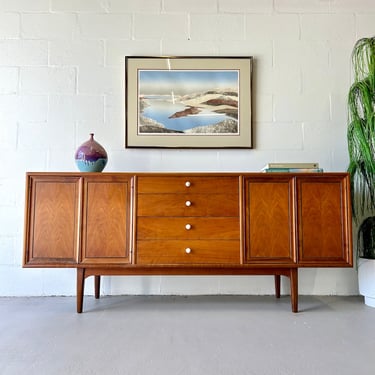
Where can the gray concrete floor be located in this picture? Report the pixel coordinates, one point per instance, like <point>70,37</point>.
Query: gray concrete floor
<point>200,335</point>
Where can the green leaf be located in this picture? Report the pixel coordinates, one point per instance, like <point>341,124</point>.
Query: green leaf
<point>361,127</point>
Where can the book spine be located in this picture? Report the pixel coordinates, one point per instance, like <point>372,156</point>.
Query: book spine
<point>293,170</point>
<point>292,165</point>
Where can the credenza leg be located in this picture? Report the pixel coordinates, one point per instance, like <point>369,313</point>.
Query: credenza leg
<point>294,289</point>
<point>97,286</point>
<point>277,285</point>
<point>80,288</point>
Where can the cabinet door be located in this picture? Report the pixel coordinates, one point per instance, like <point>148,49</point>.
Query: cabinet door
<point>324,221</point>
<point>106,219</point>
<point>269,220</point>
<point>52,216</point>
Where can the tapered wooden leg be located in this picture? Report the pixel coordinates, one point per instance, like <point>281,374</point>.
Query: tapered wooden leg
<point>97,286</point>
<point>277,285</point>
<point>80,288</point>
<point>294,289</point>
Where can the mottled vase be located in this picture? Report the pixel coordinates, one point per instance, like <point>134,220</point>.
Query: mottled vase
<point>91,156</point>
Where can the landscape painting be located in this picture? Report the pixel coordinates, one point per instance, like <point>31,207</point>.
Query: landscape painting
<point>184,102</point>
<point>188,102</point>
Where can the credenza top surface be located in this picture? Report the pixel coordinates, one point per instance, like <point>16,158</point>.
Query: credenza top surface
<point>211,173</point>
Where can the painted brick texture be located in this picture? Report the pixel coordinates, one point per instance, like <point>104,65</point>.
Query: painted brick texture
<point>62,77</point>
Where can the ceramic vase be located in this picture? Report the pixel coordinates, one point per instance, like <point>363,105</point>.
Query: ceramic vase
<point>91,156</point>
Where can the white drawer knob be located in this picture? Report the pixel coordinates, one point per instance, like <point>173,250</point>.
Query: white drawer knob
<point>188,203</point>
<point>188,250</point>
<point>187,226</point>
<point>187,183</point>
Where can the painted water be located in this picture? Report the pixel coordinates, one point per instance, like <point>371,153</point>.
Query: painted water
<point>160,108</point>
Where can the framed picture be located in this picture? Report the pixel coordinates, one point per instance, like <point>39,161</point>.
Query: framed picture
<point>188,102</point>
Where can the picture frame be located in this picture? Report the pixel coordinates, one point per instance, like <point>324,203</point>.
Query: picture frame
<point>188,102</point>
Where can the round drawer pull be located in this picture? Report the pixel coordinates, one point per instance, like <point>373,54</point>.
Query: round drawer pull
<point>187,203</point>
<point>187,183</point>
<point>188,250</point>
<point>187,226</point>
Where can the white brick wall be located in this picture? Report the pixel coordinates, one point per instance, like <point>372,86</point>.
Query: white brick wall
<point>305,6</point>
<point>62,77</point>
<point>332,27</point>
<point>48,26</point>
<point>23,108</point>
<point>192,6</point>
<point>250,6</point>
<point>365,25</point>
<point>51,80</point>
<point>217,27</point>
<point>22,52</point>
<point>84,6</point>
<point>24,5</point>
<point>160,26</point>
<point>104,26</point>
<point>9,80</point>
<point>275,27</point>
<point>9,25</point>
<point>349,6</point>
<point>83,53</point>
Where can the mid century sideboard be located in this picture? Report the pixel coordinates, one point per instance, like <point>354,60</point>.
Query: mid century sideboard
<point>187,224</point>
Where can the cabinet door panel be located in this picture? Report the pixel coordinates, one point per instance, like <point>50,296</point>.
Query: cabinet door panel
<point>52,220</point>
<point>324,221</point>
<point>106,233</point>
<point>269,220</point>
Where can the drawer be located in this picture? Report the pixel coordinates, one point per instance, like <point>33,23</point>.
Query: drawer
<point>188,184</point>
<point>188,205</point>
<point>188,252</point>
<point>220,228</point>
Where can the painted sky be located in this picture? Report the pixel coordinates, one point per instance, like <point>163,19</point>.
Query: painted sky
<point>182,82</point>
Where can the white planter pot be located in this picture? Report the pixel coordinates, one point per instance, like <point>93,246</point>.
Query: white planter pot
<point>366,280</point>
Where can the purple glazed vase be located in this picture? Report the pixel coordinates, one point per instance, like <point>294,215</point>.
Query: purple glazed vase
<point>91,156</point>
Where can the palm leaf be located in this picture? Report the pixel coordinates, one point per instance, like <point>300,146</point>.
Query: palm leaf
<point>361,127</point>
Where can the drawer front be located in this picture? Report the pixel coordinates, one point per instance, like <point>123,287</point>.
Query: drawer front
<point>220,228</point>
<point>188,205</point>
<point>188,184</point>
<point>188,252</point>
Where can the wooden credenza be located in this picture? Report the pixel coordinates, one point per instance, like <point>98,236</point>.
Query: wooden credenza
<point>188,224</point>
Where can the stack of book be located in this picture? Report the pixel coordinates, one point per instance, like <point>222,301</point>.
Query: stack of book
<point>292,167</point>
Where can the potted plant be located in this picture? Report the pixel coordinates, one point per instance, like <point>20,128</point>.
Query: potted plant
<point>361,147</point>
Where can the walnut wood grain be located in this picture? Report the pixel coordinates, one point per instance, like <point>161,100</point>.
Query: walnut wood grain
<point>162,228</point>
<point>52,220</point>
<point>202,184</point>
<point>188,205</point>
<point>135,224</point>
<point>323,222</point>
<point>106,221</point>
<point>199,252</point>
<point>269,220</point>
